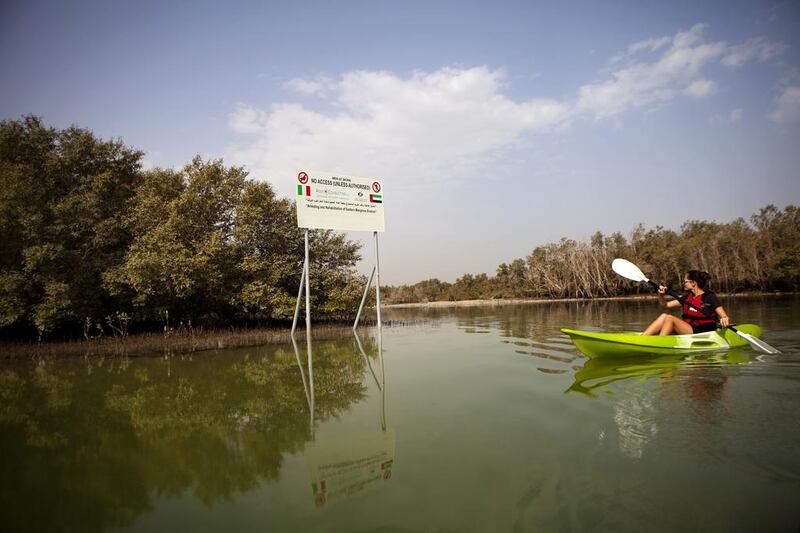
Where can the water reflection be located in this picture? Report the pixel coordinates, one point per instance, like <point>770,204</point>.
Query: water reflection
<point>348,464</point>
<point>532,329</point>
<point>95,442</point>
<point>380,382</point>
<point>635,417</point>
<point>308,385</point>
<point>598,373</point>
<point>643,385</point>
<point>110,443</point>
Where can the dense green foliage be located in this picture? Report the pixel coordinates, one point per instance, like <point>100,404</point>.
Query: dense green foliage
<point>763,254</point>
<point>90,242</point>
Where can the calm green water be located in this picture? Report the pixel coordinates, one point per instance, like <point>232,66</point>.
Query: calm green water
<point>482,419</point>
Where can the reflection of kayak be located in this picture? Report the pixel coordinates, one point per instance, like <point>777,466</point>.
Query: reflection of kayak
<point>598,373</point>
<point>595,344</point>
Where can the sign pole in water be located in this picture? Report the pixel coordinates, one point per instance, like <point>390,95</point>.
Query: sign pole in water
<point>377,284</point>
<point>338,202</point>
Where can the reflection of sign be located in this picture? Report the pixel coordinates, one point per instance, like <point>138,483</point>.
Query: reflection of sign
<point>346,466</point>
<point>335,201</point>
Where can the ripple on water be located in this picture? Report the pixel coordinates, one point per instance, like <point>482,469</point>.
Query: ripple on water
<point>551,349</point>
<point>545,355</point>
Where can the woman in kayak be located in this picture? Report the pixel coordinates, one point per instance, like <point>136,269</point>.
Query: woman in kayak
<point>700,309</point>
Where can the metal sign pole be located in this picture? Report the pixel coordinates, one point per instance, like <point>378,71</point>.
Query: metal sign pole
<point>364,298</point>
<point>304,281</point>
<point>380,330</point>
<point>308,332</point>
<point>310,386</point>
<point>378,281</point>
<point>376,273</point>
<point>308,290</point>
<point>299,296</point>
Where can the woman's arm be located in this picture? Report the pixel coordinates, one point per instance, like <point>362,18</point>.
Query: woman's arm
<point>663,301</point>
<point>724,320</point>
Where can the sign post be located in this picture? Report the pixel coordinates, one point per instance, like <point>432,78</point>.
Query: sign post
<point>338,202</point>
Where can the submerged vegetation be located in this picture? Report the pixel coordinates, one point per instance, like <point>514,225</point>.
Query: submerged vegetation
<point>762,254</point>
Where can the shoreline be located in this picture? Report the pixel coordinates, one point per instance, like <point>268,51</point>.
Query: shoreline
<point>496,302</point>
<point>151,344</point>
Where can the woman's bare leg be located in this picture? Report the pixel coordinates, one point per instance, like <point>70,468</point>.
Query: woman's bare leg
<point>675,326</point>
<point>655,327</point>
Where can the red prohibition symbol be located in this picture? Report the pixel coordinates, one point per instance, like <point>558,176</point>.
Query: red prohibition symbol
<point>302,178</point>
<point>376,186</point>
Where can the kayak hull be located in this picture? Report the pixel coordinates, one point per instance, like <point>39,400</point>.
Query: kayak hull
<point>597,344</point>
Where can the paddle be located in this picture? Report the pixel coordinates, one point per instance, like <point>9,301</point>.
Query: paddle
<point>626,269</point>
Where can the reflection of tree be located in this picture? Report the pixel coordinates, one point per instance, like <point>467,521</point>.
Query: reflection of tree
<point>86,447</point>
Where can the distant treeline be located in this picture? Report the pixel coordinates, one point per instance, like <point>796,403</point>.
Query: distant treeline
<point>762,254</point>
<point>91,244</point>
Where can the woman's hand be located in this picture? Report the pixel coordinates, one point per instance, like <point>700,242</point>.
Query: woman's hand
<point>662,289</point>
<point>724,319</point>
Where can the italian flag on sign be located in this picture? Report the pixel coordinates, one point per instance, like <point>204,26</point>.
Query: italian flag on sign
<point>301,189</point>
<point>376,198</point>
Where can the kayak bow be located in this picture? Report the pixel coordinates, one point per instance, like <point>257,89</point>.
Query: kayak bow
<point>596,344</point>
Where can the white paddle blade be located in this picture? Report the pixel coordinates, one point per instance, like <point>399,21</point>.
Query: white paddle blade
<point>758,343</point>
<point>626,269</point>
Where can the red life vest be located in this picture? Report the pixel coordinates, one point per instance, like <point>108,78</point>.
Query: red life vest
<point>696,317</point>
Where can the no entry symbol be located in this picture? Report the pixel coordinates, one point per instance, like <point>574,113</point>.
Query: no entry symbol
<point>302,178</point>
<point>376,186</point>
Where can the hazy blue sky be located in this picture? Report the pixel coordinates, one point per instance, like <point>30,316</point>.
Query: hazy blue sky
<point>495,126</point>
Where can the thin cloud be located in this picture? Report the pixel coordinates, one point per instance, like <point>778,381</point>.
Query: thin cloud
<point>757,48</point>
<point>787,108</point>
<point>642,84</point>
<point>317,87</point>
<point>652,44</point>
<point>701,88</point>
<point>246,119</point>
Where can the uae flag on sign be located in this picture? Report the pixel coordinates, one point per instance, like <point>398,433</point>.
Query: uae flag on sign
<point>303,189</point>
<point>376,198</point>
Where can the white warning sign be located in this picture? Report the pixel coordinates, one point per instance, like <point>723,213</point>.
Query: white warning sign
<point>339,202</point>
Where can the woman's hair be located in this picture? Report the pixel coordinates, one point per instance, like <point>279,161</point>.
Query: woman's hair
<point>699,277</point>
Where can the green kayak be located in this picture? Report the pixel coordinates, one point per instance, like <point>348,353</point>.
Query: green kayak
<point>596,344</point>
